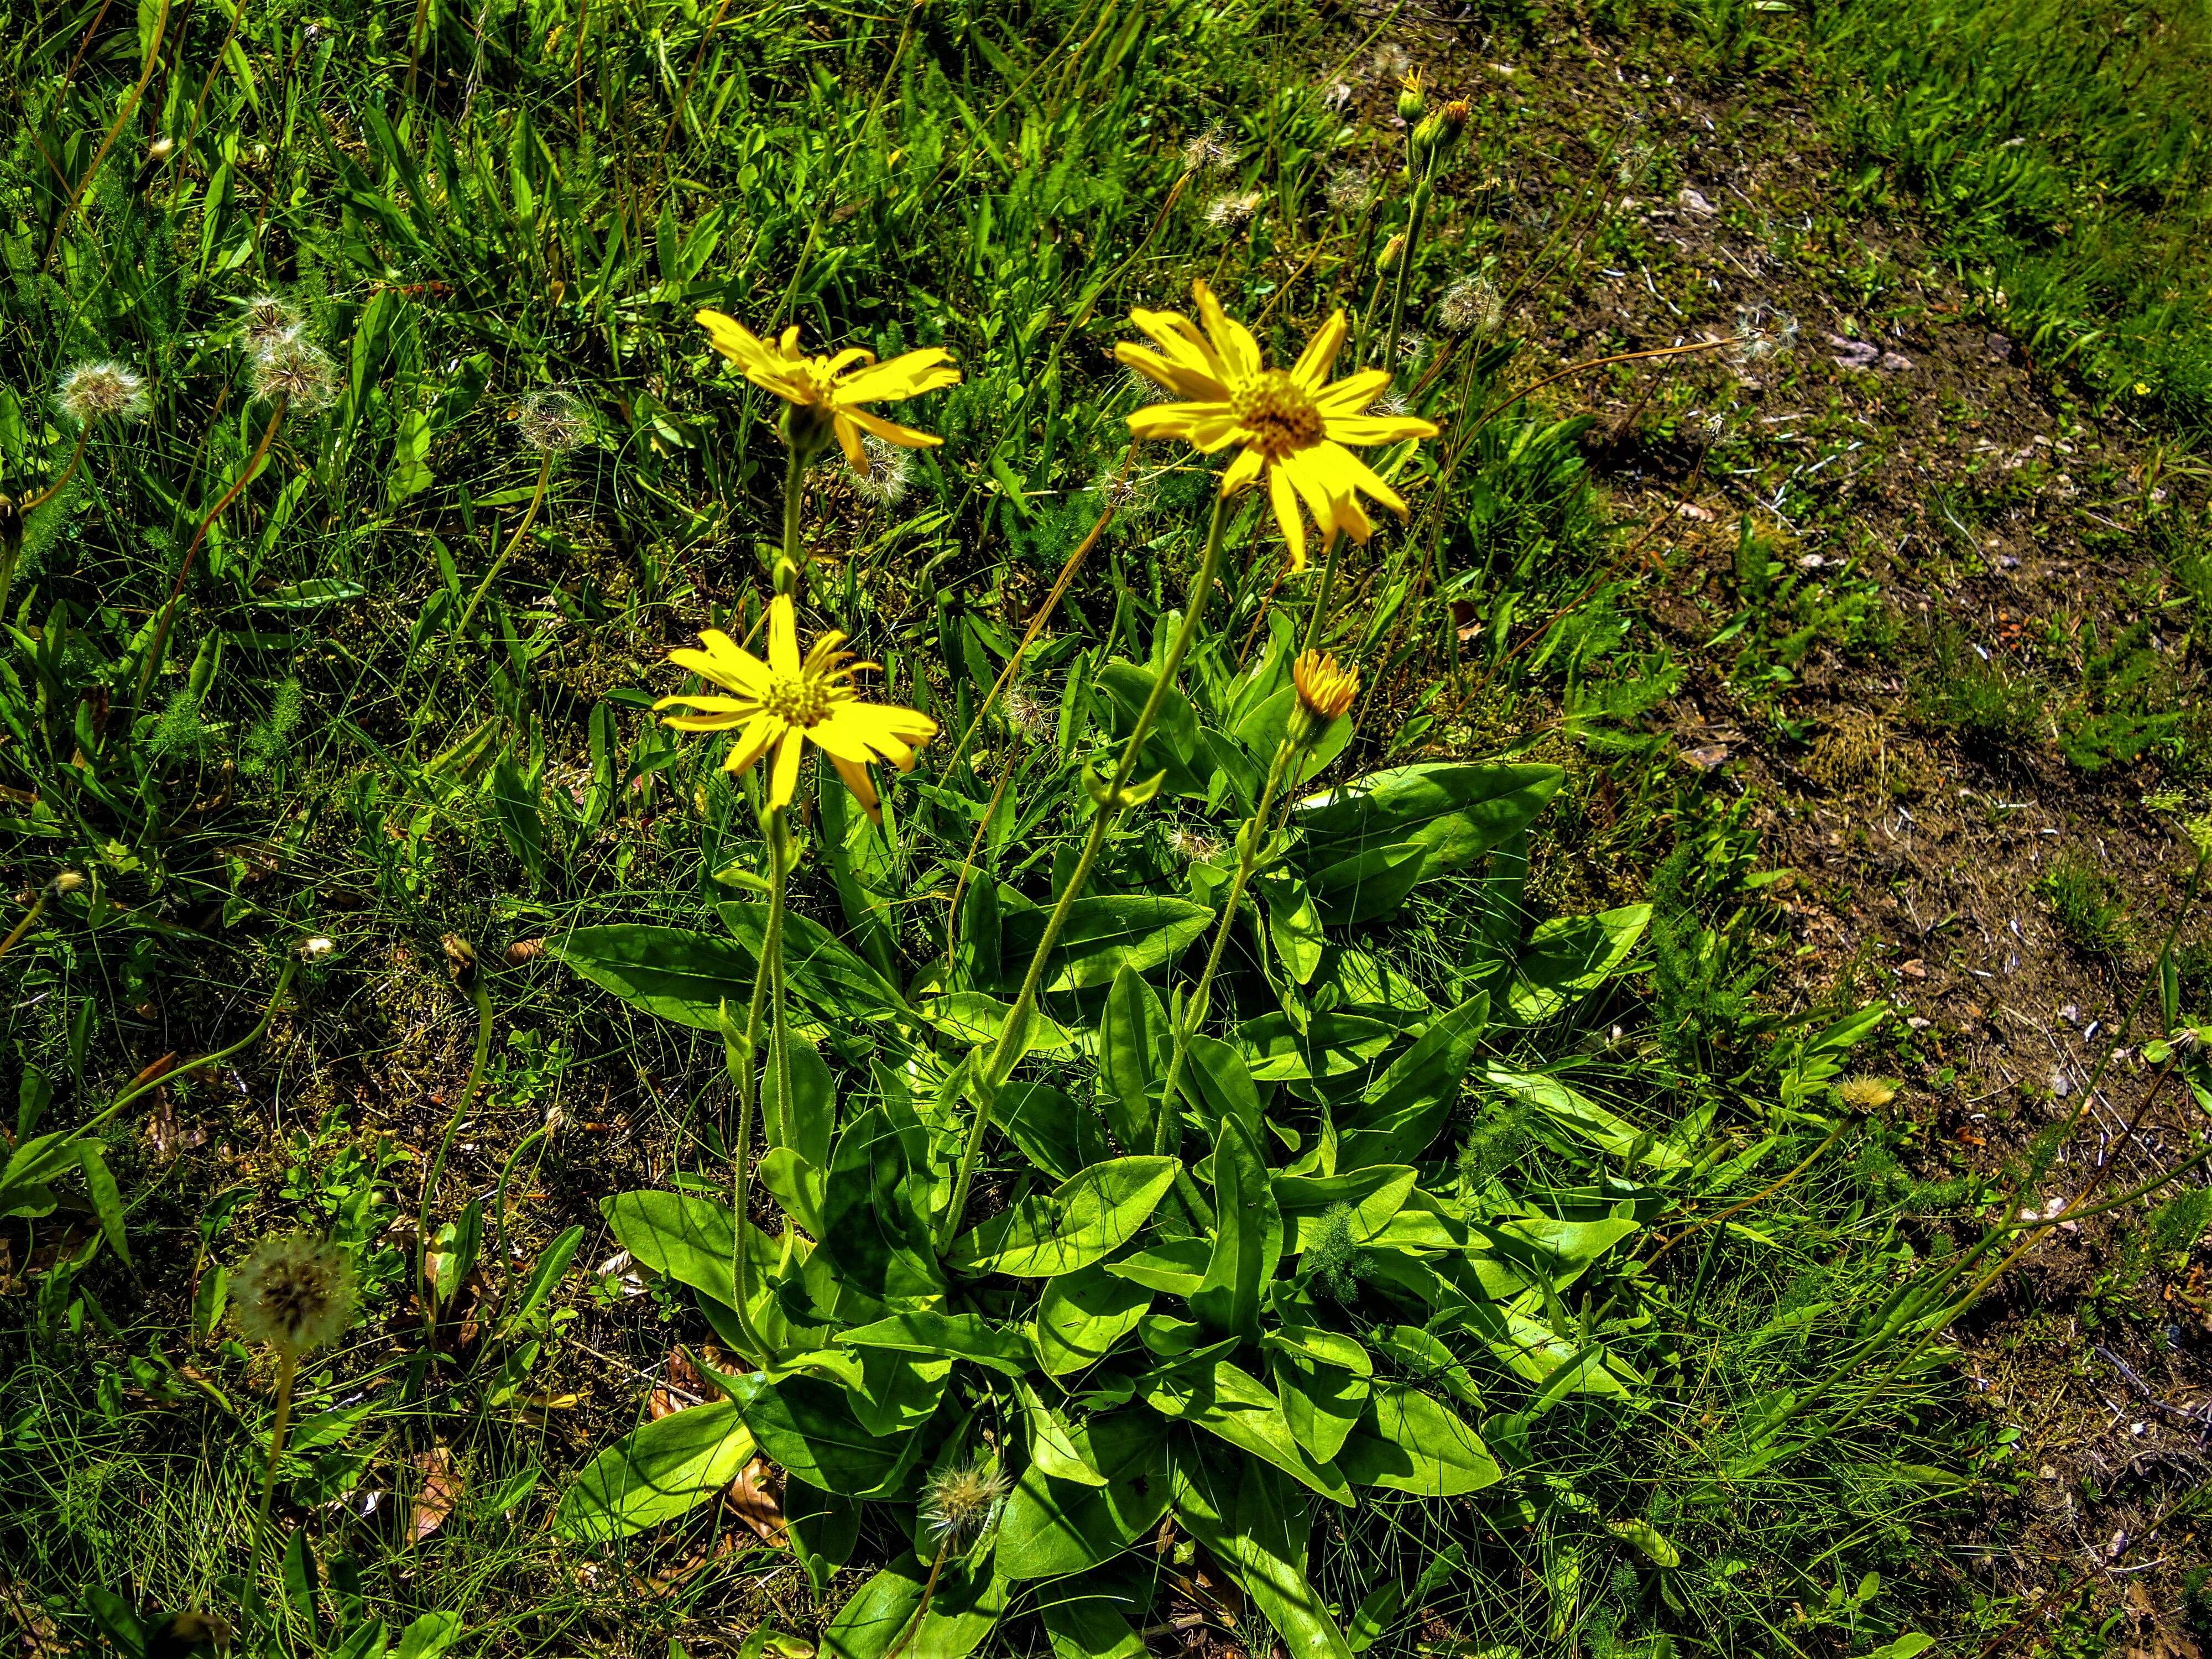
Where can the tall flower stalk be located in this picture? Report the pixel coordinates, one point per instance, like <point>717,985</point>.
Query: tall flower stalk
<point>89,394</point>
<point>1325,693</point>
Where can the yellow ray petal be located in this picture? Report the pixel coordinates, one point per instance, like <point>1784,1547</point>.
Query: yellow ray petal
<point>1342,472</point>
<point>1172,420</point>
<point>1185,380</point>
<point>783,783</point>
<point>1365,429</point>
<point>891,431</point>
<point>1239,472</point>
<point>1239,351</point>
<point>753,743</point>
<point>1351,394</point>
<point>1284,501</point>
<point>1312,369</point>
<point>863,791</point>
<point>849,438</point>
<point>783,638</point>
<point>906,376</point>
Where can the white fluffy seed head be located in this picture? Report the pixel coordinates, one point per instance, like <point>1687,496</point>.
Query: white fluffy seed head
<point>882,473</point>
<point>266,323</point>
<point>554,420</point>
<point>1227,212</point>
<point>1209,152</point>
<point>294,1293</point>
<point>103,390</point>
<point>299,372</point>
<point>1471,305</point>
<point>960,1504</point>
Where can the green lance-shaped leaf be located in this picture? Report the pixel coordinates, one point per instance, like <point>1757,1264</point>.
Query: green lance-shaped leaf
<point>1106,934</point>
<point>1407,1442</point>
<point>809,1427</point>
<point>659,1471</point>
<point>1082,1221</point>
<point>963,1610</point>
<point>1083,1315</point>
<point>1214,1394</point>
<point>1568,957</point>
<point>1248,1242</point>
<point>1255,1523</point>
<point>1403,1111</point>
<point>1054,1526</point>
<point>1131,1027</point>
<point>1456,812</point>
<point>875,1212</point>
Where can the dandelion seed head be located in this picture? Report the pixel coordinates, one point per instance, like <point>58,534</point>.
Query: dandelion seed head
<point>1349,190</point>
<point>1191,845</point>
<point>1762,331</point>
<point>1025,711</point>
<point>1123,494</point>
<point>1393,403</point>
<point>1411,344</point>
<point>1866,1094</point>
<point>266,323</point>
<point>554,420</point>
<point>1209,152</point>
<point>1391,64</point>
<point>103,390</point>
<point>300,373</point>
<point>961,1502</point>
<point>883,473</point>
<point>1227,212</point>
<point>1471,305</point>
<point>294,1293</point>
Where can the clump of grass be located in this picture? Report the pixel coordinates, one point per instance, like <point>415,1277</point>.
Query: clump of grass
<point>1974,699</point>
<point>2086,906</point>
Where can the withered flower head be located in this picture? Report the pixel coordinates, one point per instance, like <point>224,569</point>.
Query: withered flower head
<point>294,1293</point>
<point>99,391</point>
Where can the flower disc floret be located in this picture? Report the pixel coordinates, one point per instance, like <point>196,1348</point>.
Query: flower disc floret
<point>783,704</point>
<point>1289,425</point>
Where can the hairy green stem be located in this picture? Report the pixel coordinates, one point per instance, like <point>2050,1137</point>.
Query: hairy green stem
<point>1167,1128</point>
<point>795,497</point>
<point>766,1004</point>
<point>287,1369</point>
<point>1318,616</point>
<point>1013,1035</point>
<point>1407,255</point>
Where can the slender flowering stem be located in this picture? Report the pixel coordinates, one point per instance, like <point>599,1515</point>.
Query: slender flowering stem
<point>768,989</point>
<point>1407,255</point>
<point>922,1608</point>
<point>160,647</point>
<point>1167,1128</point>
<point>287,1369</point>
<point>1013,1035</point>
<point>479,993</point>
<point>529,517</point>
<point>794,486</point>
<point>12,556</point>
<point>1319,614</point>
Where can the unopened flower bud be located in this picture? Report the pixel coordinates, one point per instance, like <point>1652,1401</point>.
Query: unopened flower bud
<point>1326,689</point>
<point>1387,261</point>
<point>1411,104</point>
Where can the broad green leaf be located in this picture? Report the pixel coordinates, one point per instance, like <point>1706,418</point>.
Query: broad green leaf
<point>1457,812</point>
<point>1061,1137</point>
<point>106,1200</point>
<point>1568,957</point>
<point>1605,1130</point>
<point>821,967</point>
<point>1419,1352</point>
<point>1332,1045</point>
<point>676,972</point>
<point>428,1637</point>
<point>1083,1221</point>
<point>976,1018</point>
<point>808,1122</point>
<point>962,1611</point>
<point>1248,1240</point>
<point>1293,924</point>
<point>1216,1396</point>
<point>1176,1266</point>
<point>1224,1080</point>
<point>875,1210</point>
<point>822,1526</point>
<point>963,1336</point>
<point>798,1186</point>
<point>1368,885</point>
<point>1320,1402</point>
<point>1560,1250</point>
<point>1255,1525</point>
<point>1083,1315</point>
<point>1534,1352</point>
<point>1374,1194</point>
<point>1091,1627</point>
<point>1403,1109</point>
<point>690,1239</point>
<point>809,1427</point>
<point>1052,1526</point>
<point>1131,1029</point>
<point>659,1471</point>
<point>1106,934</point>
<point>899,1388</point>
<point>1407,1442</point>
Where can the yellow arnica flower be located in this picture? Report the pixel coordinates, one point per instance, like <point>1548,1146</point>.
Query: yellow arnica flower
<point>832,389</point>
<point>787,702</point>
<point>1326,689</point>
<point>1291,424</point>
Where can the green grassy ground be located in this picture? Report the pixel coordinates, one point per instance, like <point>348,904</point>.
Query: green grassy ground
<point>1806,583</point>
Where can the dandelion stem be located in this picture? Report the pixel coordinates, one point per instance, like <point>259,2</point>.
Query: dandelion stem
<point>160,647</point>
<point>529,517</point>
<point>921,1610</point>
<point>1013,1036</point>
<point>480,993</point>
<point>287,1369</point>
<point>1167,1128</point>
<point>76,454</point>
<point>30,920</point>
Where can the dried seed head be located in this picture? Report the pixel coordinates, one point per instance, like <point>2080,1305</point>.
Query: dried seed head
<point>1471,305</point>
<point>1349,190</point>
<point>1412,344</point>
<point>1209,152</point>
<point>99,391</point>
<point>300,373</point>
<point>68,881</point>
<point>554,422</point>
<point>882,475</point>
<point>1866,1094</point>
<point>267,323</point>
<point>315,949</point>
<point>1024,713</point>
<point>1191,845</point>
<point>1761,331</point>
<point>1227,212</point>
<point>525,950</point>
<point>961,1502</point>
<point>294,1293</point>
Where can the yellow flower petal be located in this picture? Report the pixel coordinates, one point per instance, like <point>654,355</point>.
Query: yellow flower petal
<point>783,782</point>
<point>863,791</point>
<point>1239,472</point>
<point>1351,394</point>
<point>897,378</point>
<point>1232,341</point>
<point>783,639</point>
<point>1312,369</point>
<point>1368,429</point>
<point>891,431</point>
<point>1285,502</point>
<point>765,730</point>
<point>1184,380</point>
